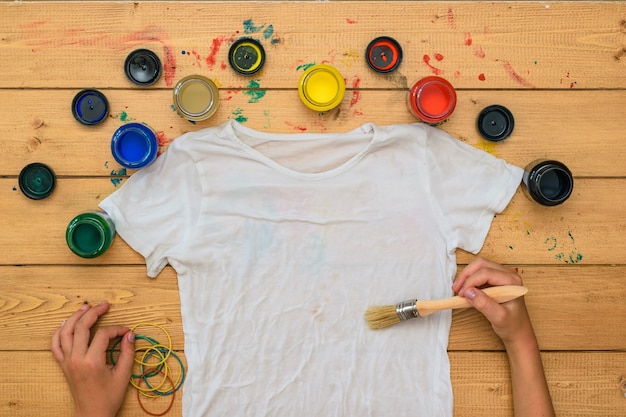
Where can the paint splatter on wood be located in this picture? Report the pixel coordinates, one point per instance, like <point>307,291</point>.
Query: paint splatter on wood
<point>515,76</point>
<point>433,69</point>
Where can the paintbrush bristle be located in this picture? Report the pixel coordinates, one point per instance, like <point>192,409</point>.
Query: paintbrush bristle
<point>381,317</point>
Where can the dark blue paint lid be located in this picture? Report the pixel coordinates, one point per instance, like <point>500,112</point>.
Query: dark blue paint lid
<point>90,107</point>
<point>134,145</point>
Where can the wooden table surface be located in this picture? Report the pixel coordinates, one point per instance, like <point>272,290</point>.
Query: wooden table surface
<point>560,67</point>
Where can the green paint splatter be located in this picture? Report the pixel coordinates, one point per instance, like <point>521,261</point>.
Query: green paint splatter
<point>268,32</point>
<point>238,115</point>
<point>305,67</point>
<point>249,27</point>
<point>120,172</point>
<point>116,181</point>
<point>268,121</point>
<point>255,93</point>
<point>123,116</point>
<point>535,62</point>
<point>553,240</point>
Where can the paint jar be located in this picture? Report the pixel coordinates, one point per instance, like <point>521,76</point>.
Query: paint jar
<point>134,145</point>
<point>142,67</point>
<point>321,88</point>
<point>37,181</point>
<point>196,98</point>
<point>246,56</point>
<point>548,182</point>
<point>383,54</point>
<point>90,234</point>
<point>431,99</point>
<point>90,107</point>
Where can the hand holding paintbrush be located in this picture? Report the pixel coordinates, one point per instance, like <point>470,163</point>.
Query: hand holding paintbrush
<point>386,316</point>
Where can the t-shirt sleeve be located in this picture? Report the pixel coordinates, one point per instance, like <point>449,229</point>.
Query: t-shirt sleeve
<point>156,209</point>
<point>468,186</point>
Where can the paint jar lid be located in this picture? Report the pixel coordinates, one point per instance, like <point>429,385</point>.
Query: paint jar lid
<point>142,67</point>
<point>321,87</point>
<point>432,99</point>
<point>196,97</point>
<point>134,145</point>
<point>383,54</point>
<point>90,107</point>
<point>37,181</point>
<point>495,123</point>
<point>246,56</point>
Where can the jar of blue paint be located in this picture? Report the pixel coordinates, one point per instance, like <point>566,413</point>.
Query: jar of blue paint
<point>90,234</point>
<point>134,145</point>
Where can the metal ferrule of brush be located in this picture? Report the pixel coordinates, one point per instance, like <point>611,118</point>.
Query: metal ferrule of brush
<point>406,310</point>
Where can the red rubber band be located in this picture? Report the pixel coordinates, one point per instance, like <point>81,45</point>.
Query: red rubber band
<point>169,407</point>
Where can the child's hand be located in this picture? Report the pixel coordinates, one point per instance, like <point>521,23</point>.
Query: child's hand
<point>98,388</point>
<point>509,320</point>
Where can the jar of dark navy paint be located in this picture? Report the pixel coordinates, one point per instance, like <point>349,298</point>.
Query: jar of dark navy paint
<point>548,182</point>
<point>90,234</point>
<point>134,145</point>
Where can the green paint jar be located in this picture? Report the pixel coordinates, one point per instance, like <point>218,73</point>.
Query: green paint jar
<point>90,234</point>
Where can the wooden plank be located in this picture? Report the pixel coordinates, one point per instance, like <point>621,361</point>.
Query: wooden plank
<point>33,384</point>
<point>582,230</point>
<point>575,127</point>
<point>38,298</point>
<point>558,45</point>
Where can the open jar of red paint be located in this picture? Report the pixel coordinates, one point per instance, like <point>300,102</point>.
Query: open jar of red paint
<point>431,99</point>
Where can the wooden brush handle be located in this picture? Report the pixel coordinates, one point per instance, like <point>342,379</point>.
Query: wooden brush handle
<point>501,294</point>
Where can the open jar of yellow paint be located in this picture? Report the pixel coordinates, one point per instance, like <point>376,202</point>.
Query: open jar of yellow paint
<point>321,88</point>
<point>196,98</point>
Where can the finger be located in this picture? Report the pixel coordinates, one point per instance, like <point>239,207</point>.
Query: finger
<point>82,328</point>
<point>55,347</point>
<point>124,365</point>
<point>493,311</point>
<point>474,266</point>
<point>66,334</point>
<point>489,276</point>
<point>103,337</point>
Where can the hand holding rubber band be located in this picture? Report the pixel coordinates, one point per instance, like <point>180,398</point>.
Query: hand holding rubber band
<point>150,369</point>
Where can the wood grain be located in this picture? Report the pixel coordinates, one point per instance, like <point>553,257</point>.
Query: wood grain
<point>559,66</point>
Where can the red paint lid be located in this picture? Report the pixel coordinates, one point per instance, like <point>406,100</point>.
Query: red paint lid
<point>383,54</point>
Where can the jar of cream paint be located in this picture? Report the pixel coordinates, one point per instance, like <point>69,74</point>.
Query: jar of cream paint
<point>196,98</point>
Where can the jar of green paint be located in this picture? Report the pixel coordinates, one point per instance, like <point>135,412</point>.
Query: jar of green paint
<point>90,234</point>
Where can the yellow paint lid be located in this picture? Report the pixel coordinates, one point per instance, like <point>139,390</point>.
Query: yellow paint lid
<point>321,87</point>
<point>196,97</point>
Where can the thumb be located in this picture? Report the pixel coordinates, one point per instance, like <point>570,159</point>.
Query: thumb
<point>125,361</point>
<point>493,311</point>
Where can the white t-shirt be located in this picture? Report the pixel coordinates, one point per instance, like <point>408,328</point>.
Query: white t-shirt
<point>281,242</point>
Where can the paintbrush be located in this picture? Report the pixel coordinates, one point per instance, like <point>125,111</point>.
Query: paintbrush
<point>385,316</point>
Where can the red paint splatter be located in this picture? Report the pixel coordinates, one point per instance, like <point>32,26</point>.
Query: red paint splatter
<point>481,77</point>
<point>515,76</point>
<point>356,93</point>
<point>439,57</point>
<point>163,141</point>
<point>451,21</point>
<point>351,21</point>
<point>468,39</point>
<point>296,127</point>
<point>457,73</point>
<point>215,48</point>
<point>479,52</point>
<point>434,70</point>
<point>223,66</point>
